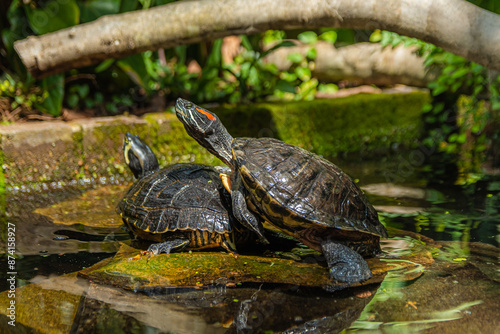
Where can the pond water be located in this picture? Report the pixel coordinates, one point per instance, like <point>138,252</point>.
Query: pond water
<point>61,230</point>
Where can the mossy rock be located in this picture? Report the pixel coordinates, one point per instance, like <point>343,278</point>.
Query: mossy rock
<point>365,123</point>
<point>95,208</point>
<point>39,310</point>
<point>131,271</point>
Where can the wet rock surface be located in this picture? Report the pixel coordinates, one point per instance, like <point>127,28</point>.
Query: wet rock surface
<point>449,297</point>
<point>129,270</point>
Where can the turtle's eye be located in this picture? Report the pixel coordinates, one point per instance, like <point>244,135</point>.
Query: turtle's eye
<point>188,106</point>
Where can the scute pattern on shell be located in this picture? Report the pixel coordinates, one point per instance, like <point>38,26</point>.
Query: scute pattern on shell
<point>304,184</point>
<point>177,198</point>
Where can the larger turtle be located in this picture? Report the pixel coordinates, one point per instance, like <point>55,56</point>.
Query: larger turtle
<point>297,191</point>
<point>180,206</point>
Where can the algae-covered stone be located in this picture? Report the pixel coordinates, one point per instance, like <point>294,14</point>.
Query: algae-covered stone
<point>40,310</point>
<point>59,151</point>
<point>43,152</point>
<point>168,139</point>
<point>95,208</point>
<point>102,139</point>
<point>131,271</point>
<point>367,123</point>
<point>68,304</point>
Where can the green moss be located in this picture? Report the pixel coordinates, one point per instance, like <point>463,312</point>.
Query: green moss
<point>40,309</point>
<point>128,270</point>
<point>368,123</point>
<point>103,153</point>
<point>359,123</point>
<point>371,124</point>
<point>3,205</point>
<point>352,124</point>
<point>171,143</point>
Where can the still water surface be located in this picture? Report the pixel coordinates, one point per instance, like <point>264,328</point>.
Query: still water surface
<point>62,230</point>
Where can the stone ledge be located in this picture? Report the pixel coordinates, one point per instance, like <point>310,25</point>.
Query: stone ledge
<point>91,148</point>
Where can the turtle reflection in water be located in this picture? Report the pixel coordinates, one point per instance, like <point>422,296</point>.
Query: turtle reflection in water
<point>298,192</point>
<point>180,206</point>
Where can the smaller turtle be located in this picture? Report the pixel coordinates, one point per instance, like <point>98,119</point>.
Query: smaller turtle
<point>180,206</point>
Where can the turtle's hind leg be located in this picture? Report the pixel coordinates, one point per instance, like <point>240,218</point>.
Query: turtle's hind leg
<point>167,246</point>
<point>345,264</point>
<point>228,244</point>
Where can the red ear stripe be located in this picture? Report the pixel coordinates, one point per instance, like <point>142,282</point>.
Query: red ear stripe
<point>210,116</point>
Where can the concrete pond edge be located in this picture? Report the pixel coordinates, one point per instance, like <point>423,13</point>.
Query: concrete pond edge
<point>47,152</point>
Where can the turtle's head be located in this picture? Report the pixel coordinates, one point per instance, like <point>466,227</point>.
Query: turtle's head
<point>138,156</point>
<point>206,128</point>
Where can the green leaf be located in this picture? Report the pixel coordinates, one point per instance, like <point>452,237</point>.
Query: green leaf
<point>285,86</point>
<point>495,105</point>
<point>284,44</point>
<point>215,57</point>
<point>460,73</point>
<point>311,53</point>
<point>163,2</point>
<point>448,69</point>
<point>53,103</point>
<point>290,77</point>
<point>295,57</point>
<point>128,5</point>
<point>72,100</point>
<point>456,86</point>
<point>376,36</point>
<point>386,38</point>
<point>245,42</point>
<point>83,90</point>
<point>328,88</point>
<point>397,40</point>
<point>308,37</point>
<point>93,9</point>
<point>55,15</point>
<point>427,107</point>
<point>329,36</point>
<point>462,138</point>
<point>303,73</point>
<point>136,70</point>
<point>104,65</point>
<point>272,36</point>
<point>439,90</point>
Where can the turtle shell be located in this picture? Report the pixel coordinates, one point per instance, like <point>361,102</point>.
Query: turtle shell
<point>181,197</point>
<point>305,195</point>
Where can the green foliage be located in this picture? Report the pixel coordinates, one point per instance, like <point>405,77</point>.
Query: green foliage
<point>93,9</point>
<point>29,17</point>
<point>246,78</point>
<point>21,95</point>
<point>169,73</point>
<point>54,15</point>
<point>456,129</point>
<point>53,103</point>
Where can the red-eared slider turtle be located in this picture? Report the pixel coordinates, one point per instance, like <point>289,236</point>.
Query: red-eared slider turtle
<point>182,205</point>
<point>297,191</point>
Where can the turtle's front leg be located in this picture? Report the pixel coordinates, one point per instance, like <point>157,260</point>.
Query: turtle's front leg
<point>241,211</point>
<point>345,264</point>
<point>167,246</point>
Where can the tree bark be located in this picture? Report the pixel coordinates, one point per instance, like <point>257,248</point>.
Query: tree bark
<point>455,25</point>
<point>364,63</point>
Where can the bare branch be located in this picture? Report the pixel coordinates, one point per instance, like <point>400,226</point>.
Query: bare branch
<point>455,25</point>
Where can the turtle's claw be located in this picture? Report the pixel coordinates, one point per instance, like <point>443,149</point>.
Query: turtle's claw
<point>141,254</point>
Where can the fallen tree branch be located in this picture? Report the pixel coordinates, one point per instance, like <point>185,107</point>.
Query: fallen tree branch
<point>364,63</point>
<point>455,25</point>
